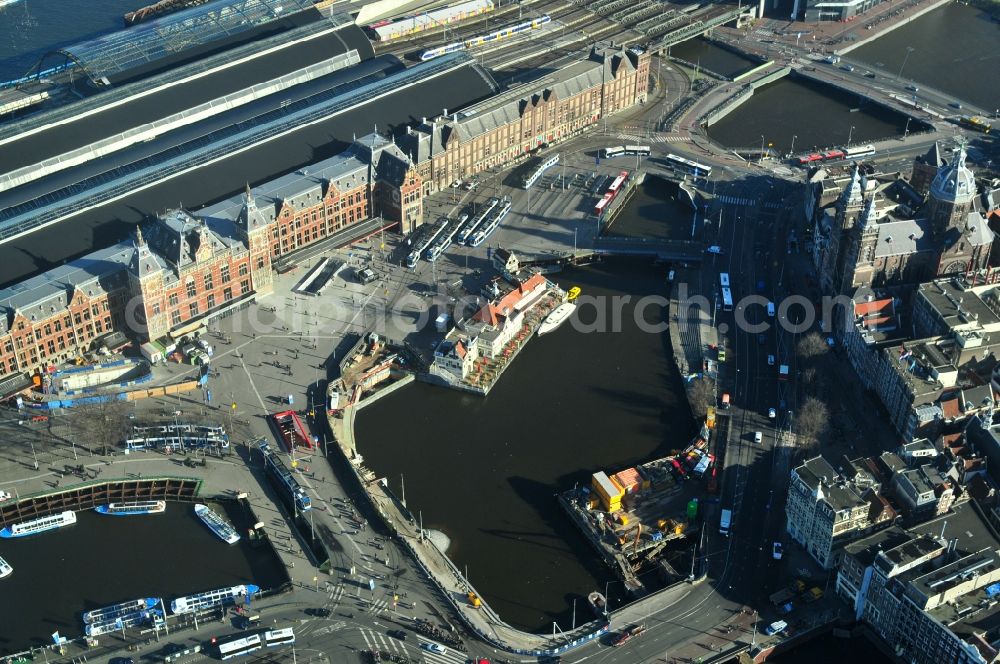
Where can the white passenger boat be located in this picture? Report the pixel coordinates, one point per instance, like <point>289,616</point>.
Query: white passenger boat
<point>40,525</point>
<point>134,507</point>
<point>217,524</point>
<point>559,315</point>
<point>116,624</point>
<point>5,569</point>
<point>211,598</point>
<point>118,610</point>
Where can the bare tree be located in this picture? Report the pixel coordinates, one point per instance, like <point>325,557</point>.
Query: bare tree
<point>808,378</point>
<point>104,424</point>
<point>811,422</point>
<point>701,395</point>
<point>811,345</point>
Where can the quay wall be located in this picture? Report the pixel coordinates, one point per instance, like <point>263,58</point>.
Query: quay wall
<point>741,96</point>
<point>889,28</point>
<point>91,494</point>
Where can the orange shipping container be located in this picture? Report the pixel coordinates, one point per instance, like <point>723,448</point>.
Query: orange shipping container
<point>629,479</point>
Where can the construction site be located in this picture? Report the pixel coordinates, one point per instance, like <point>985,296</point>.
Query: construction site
<point>638,519</point>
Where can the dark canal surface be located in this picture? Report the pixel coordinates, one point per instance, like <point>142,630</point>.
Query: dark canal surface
<point>654,212</point>
<point>484,470</point>
<point>954,50</point>
<point>30,28</point>
<point>819,116</point>
<point>103,560</point>
<point>717,59</point>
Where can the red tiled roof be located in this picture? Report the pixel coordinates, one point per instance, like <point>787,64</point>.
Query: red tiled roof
<point>460,350</point>
<point>875,306</point>
<point>491,312</point>
<point>950,408</point>
<point>949,438</point>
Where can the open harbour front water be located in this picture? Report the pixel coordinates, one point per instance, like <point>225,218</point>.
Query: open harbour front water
<point>30,28</point>
<point>103,560</point>
<point>818,115</point>
<point>485,470</point>
<point>954,50</point>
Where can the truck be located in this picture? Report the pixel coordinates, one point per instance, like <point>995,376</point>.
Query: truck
<point>783,372</point>
<point>725,521</point>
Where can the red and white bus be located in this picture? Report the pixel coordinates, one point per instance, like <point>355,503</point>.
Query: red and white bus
<point>618,182</point>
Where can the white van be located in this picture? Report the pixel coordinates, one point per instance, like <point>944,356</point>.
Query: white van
<point>770,309</point>
<point>776,627</point>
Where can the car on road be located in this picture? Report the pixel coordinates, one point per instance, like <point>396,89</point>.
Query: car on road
<point>397,634</point>
<point>869,74</point>
<point>319,612</point>
<point>628,633</point>
<point>366,275</point>
<point>456,184</point>
<point>776,551</point>
<point>758,437</point>
<point>955,104</point>
<point>714,249</point>
<point>722,355</point>
<point>434,647</point>
<point>121,660</point>
<point>770,360</point>
<point>847,67</point>
<point>771,413</point>
<point>912,88</point>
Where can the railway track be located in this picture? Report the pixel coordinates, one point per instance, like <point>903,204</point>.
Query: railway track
<point>472,27</point>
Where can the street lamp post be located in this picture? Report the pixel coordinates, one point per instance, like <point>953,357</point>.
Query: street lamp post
<point>792,151</point>
<point>761,150</point>
<point>909,49</point>
<point>850,135</point>
<point>906,130</point>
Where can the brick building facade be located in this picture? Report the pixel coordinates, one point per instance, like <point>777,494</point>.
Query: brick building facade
<point>511,124</point>
<point>183,268</point>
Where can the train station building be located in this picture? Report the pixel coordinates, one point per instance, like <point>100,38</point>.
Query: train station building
<point>512,124</point>
<point>188,266</point>
<point>184,269</point>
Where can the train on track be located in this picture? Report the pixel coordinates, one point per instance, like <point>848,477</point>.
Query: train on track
<point>482,40</point>
<point>389,29</point>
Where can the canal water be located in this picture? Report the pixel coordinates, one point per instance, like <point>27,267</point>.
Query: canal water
<point>30,28</point>
<point>103,560</point>
<point>817,115</point>
<point>485,470</point>
<point>654,211</point>
<point>954,50</point>
<point>714,58</point>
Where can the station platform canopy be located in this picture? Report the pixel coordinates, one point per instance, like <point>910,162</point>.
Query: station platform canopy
<point>180,37</point>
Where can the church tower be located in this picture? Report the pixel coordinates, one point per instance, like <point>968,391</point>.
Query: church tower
<point>952,194</point>
<point>851,199</point>
<point>860,263</point>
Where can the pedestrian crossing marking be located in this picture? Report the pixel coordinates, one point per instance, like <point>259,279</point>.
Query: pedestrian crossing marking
<point>384,643</point>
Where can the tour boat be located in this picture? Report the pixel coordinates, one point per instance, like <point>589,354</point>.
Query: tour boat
<point>119,610</point>
<point>5,569</point>
<point>40,525</point>
<point>217,524</point>
<point>558,316</point>
<point>211,598</point>
<point>134,507</point>
<point>133,619</point>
